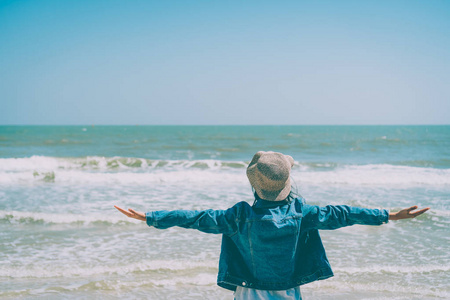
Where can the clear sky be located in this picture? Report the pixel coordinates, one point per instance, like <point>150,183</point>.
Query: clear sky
<point>224,62</point>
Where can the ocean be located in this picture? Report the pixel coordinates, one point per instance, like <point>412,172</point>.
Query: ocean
<point>61,237</point>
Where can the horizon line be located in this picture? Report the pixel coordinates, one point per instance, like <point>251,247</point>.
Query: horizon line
<point>137,125</point>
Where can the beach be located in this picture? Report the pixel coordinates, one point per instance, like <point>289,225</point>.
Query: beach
<point>60,236</point>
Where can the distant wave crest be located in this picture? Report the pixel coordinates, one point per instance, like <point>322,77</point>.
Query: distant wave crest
<point>89,270</point>
<point>109,163</point>
<point>36,218</point>
<point>136,171</point>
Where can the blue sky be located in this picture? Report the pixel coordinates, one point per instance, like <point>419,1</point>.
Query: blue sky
<point>224,62</point>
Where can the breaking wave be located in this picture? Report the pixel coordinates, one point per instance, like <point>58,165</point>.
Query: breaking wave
<point>36,218</point>
<point>128,170</point>
<point>89,270</point>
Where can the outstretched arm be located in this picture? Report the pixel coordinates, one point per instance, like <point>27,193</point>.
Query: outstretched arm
<point>209,221</point>
<point>407,213</point>
<point>337,216</point>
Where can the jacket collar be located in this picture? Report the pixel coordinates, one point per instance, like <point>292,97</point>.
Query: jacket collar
<point>260,203</point>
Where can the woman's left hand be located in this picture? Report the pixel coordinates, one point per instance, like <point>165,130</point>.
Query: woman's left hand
<point>407,213</point>
<point>131,213</point>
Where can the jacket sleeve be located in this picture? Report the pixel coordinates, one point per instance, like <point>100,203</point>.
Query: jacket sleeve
<point>336,216</point>
<point>209,221</point>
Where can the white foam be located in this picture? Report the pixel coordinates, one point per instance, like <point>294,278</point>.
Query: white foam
<point>381,174</point>
<point>44,271</point>
<point>379,290</point>
<point>59,218</point>
<point>100,163</point>
<point>120,170</point>
<point>32,163</point>
<point>383,269</point>
<point>48,271</point>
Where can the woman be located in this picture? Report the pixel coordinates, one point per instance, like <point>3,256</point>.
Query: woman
<point>271,248</point>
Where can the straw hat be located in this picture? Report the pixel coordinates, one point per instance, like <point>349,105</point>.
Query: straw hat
<point>268,173</point>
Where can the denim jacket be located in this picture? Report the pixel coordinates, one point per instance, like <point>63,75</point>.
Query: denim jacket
<point>271,245</point>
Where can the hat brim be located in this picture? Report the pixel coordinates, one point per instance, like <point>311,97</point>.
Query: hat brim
<point>279,195</point>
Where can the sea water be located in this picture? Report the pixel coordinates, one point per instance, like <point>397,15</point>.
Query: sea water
<point>60,236</point>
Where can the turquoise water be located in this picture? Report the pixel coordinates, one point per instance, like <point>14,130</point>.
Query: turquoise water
<point>422,146</point>
<point>60,237</point>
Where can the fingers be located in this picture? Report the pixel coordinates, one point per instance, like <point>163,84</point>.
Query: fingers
<point>128,214</point>
<point>138,215</point>
<point>413,214</point>
<point>409,213</point>
<point>137,212</point>
<point>131,213</point>
<point>419,212</point>
<point>411,208</point>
